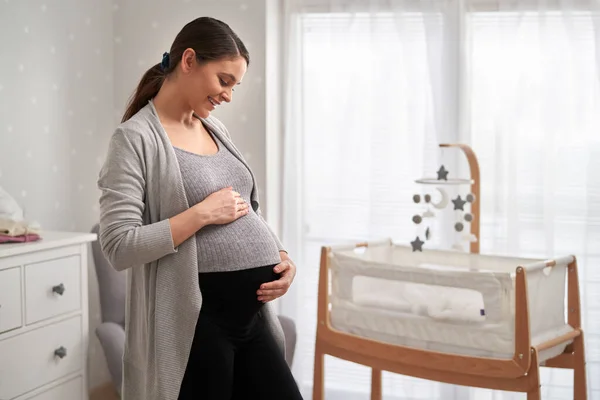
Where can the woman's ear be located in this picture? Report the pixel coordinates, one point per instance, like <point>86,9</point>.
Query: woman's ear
<point>188,60</point>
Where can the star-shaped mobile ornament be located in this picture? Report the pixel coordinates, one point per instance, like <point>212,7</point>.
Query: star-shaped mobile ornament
<point>442,174</point>
<point>417,244</point>
<point>459,203</point>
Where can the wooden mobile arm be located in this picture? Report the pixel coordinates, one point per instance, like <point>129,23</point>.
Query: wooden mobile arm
<point>475,189</point>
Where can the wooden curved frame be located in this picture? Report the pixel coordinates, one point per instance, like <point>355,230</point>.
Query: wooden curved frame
<point>475,189</point>
<point>520,374</point>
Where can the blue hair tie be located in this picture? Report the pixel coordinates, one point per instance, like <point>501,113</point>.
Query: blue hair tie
<point>164,64</point>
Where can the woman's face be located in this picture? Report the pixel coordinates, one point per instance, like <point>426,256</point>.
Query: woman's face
<point>209,84</point>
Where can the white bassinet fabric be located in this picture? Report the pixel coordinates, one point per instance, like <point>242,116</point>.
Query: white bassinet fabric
<point>437,302</point>
<point>444,301</point>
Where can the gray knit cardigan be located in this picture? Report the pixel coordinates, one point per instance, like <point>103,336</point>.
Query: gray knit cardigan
<point>141,187</point>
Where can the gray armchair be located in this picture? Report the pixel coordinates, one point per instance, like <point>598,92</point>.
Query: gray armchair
<point>111,332</point>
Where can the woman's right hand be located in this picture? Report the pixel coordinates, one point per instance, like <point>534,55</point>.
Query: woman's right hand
<point>223,206</point>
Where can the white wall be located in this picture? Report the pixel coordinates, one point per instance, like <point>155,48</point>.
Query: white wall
<point>66,73</point>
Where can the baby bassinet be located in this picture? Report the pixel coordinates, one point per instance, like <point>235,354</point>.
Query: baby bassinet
<point>468,319</point>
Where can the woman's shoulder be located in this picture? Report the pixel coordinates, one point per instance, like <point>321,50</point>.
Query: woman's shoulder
<point>139,128</point>
<point>139,122</point>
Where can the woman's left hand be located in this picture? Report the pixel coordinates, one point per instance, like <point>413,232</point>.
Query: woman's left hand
<point>271,290</point>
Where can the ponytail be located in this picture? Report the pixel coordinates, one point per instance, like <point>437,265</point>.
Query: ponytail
<point>147,88</point>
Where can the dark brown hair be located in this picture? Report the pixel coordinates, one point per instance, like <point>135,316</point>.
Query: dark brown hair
<point>210,38</point>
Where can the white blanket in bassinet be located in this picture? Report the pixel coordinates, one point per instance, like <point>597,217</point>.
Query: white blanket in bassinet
<point>442,303</point>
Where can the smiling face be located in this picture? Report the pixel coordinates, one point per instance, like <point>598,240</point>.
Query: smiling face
<point>208,84</point>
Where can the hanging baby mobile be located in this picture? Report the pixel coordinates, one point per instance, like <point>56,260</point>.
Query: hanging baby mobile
<point>464,205</point>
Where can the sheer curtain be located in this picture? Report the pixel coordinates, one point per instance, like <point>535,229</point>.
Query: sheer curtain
<point>372,88</point>
<point>533,114</point>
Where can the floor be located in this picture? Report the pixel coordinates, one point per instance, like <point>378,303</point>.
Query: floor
<point>104,392</point>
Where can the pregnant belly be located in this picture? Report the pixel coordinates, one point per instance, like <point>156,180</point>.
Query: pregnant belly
<point>230,298</point>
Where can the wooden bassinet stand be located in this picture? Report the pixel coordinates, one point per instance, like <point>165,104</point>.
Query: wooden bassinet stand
<point>519,374</point>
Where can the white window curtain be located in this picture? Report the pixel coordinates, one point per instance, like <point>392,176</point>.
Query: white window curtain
<point>372,88</point>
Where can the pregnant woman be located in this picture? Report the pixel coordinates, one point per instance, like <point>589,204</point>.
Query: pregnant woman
<point>179,210</point>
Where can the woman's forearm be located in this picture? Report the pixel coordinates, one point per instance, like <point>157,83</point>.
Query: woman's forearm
<point>187,223</point>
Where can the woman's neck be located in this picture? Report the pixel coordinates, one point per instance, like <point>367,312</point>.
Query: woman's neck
<point>171,107</point>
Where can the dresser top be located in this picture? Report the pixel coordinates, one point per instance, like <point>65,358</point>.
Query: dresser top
<point>49,240</point>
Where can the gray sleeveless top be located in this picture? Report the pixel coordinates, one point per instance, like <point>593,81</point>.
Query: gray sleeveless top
<point>244,243</point>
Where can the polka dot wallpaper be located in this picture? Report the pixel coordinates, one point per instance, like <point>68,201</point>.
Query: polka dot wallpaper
<point>67,70</point>
<point>55,106</point>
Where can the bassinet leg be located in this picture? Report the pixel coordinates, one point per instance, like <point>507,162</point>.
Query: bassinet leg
<point>318,384</point>
<point>579,374</point>
<point>535,393</point>
<point>375,384</point>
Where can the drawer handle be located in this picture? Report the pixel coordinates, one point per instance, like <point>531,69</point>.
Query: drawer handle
<point>59,289</point>
<point>61,352</point>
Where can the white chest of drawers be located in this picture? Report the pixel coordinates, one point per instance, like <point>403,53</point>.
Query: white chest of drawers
<point>44,318</point>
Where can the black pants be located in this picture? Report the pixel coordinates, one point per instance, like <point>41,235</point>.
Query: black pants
<point>233,355</point>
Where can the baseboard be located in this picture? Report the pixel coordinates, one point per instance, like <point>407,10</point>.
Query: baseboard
<point>104,392</point>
